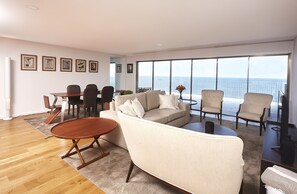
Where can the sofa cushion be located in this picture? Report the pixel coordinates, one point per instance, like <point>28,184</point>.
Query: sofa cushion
<point>137,107</point>
<point>168,101</point>
<point>152,97</point>
<point>164,115</point>
<point>127,108</point>
<point>121,99</point>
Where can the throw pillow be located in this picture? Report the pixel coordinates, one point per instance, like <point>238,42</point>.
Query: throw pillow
<point>127,108</point>
<point>167,101</point>
<point>137,107</point>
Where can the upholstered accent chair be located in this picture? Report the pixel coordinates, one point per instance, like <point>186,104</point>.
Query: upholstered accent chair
<point>255,108</point>
<point>212,103</point>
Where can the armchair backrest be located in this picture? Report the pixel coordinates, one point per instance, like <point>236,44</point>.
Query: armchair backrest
<point>212,98</point>
<point>256,102</point>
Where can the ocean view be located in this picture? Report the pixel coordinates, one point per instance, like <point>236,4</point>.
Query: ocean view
<point>232,87</point>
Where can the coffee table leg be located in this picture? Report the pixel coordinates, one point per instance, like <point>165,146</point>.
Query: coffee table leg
<point>78,151</point>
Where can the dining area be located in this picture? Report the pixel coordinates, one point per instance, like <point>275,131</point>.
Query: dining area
<point>88,101</point>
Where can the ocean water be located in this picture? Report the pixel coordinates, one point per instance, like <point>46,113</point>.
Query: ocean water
<point>232,87</point>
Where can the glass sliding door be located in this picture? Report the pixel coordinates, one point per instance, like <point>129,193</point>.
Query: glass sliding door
<point>204,77</point>
<point>181,75</point>
<point>268,74</point>
<point>145,75</point>
<point>232,79</point>
<point>162,76</point>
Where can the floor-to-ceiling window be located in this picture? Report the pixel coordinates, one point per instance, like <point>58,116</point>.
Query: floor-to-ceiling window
<point>234,75</point>
<point>162,76</point>
<point>181,75</point>
<point>232,79</point>
<point>204,77</point>
<point>145,74</point>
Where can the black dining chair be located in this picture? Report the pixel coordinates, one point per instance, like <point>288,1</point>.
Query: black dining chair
<point>90,102</point>
<point>106,95</point>
<point>74,100</point>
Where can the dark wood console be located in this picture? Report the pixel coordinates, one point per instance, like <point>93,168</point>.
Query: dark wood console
<point>272,157</point>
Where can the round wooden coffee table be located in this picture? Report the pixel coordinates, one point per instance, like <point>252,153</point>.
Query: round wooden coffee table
<point>84,128</point>
<point>218,129</point>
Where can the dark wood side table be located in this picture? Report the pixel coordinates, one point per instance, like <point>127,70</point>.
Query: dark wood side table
<point>84,128</point>
<point>272,157</point>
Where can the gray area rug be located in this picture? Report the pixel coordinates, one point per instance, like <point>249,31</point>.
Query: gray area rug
<point>109,173</point>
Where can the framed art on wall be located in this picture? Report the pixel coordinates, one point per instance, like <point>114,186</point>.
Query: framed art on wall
<point>28,62</point>
<point>93,66</point>
<point>48,63</point>
<point>80,65</point>
<point>130,68</point>
<point>119,68</point>
<point>66,65</point>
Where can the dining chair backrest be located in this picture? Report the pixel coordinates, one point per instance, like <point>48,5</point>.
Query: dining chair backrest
<point>92,85</point>
<point>107,94</point>
<point>46,102</point>
<point>73,89</point>
<point>90,97</point>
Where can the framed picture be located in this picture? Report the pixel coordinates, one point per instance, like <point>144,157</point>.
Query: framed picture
<point>66,65</point>
<point>28,62</point>
<point>93,66</point>
<point>130,68</point>
<point>48,63</point>
<point>80,65</point>
<point>118,68</point>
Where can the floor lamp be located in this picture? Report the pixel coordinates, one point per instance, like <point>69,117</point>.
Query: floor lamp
<point>7,88</point>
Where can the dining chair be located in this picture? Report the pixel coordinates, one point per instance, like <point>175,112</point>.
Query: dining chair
<point>106,96</point>
<point>212,103</point>
<point>75,100</point>
<point>47,104</point>
<point>255,108</point>
<point>90,102</point>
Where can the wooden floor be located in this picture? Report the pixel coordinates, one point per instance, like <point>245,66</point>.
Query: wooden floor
<point>29,163</point>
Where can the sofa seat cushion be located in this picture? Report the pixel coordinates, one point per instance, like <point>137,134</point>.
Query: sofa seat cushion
<point>164,115</point>
<point>250,116</point>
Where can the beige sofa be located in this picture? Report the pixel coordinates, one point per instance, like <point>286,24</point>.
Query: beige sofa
<point>150,102</point>
<point>192,161</point>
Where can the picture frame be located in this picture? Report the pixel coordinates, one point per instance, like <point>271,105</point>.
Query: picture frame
<point>48,63</point>
<point>66,65</point>
<point>80,65</point>
<point>118,68</point>
<point>130,68</point>
<point>28,62</point>
<point>93,66</point>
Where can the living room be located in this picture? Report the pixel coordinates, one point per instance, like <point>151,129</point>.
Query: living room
<point>39,32</point>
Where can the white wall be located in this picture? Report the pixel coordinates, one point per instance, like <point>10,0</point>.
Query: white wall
<point>283,47</point>
<point>28,87</point>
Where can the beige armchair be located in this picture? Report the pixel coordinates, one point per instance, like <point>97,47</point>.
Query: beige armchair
<point>211,102</point>
<point>255,108</point>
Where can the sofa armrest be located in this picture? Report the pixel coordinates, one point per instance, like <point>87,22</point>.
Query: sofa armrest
<point>184,106</point>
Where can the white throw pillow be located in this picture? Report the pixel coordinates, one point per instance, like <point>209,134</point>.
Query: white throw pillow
<point>137,107</point>
<point>127,108</point>
<point>167,101</point>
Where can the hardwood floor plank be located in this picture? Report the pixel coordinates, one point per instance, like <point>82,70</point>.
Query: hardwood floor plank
<point>29,163</point>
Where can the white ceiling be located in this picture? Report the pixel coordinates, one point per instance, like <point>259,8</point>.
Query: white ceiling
<point>125,27</point>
